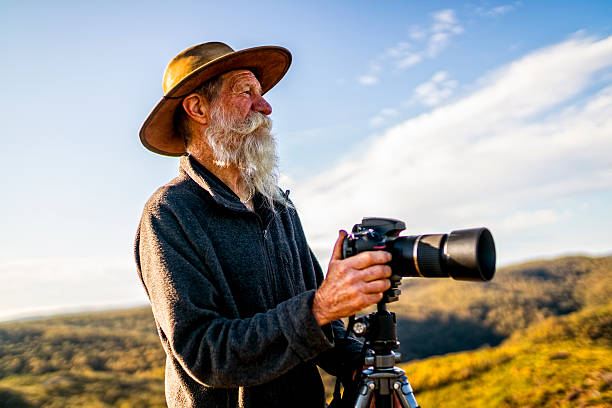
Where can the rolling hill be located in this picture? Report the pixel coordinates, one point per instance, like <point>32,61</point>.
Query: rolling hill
<point>111,359</point>
<point>543,329</point>
<point>561,362</point>
<point>439,316</point>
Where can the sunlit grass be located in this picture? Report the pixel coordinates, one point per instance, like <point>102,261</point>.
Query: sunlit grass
<point>561,362</point>
<point>114,359</point>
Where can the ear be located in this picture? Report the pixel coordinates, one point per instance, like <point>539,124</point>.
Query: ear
<point>197,108</point>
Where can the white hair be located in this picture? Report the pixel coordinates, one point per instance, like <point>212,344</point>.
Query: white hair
<point>250,146</point>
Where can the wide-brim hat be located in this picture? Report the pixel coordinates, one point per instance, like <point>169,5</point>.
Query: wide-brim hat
<point>190,69</point>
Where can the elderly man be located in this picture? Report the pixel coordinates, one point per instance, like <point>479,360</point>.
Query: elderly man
<point>241,307</point>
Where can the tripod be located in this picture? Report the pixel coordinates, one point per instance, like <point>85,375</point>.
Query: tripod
<point>383,379</point>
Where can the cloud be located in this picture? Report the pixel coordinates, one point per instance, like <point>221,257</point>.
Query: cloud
<point>368,80</point>
<point>425,42</point>
<point>436,90</point>
<point>530,219</point>
<point>409,60</point>
<point>36,286</point>
<point>445,25</point>
<point>526,137</point>
<point>383,116</point>
<point>417,33</point>
<point>429,41</point>
<point>497,11</point>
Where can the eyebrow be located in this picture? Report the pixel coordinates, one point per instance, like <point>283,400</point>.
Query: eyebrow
<point>250,83</point>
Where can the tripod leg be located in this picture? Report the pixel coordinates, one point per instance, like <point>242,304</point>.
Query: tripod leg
<point>365,394</point>
<point>403,391</point>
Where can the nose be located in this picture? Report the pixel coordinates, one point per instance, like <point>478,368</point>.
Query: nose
<point>261,105</point>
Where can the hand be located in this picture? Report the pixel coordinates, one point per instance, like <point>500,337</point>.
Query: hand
<point>352,284</point>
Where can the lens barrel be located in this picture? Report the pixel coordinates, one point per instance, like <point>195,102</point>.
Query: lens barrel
<point>467,254</point>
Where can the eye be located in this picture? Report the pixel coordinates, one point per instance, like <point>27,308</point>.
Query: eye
<point>247,92</point>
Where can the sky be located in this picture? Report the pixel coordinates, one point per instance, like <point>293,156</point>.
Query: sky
<point>443,114</point>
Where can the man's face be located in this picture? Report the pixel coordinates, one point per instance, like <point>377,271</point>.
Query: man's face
<point>240,95</point>
<point>239,134</point>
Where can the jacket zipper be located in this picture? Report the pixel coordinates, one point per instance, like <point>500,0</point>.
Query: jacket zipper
<point>269,269</point>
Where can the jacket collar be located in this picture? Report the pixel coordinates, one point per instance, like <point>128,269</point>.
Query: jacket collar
<point>219,192</point>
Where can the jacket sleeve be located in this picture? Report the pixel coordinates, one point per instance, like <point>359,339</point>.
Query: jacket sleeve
<point>214,350</point>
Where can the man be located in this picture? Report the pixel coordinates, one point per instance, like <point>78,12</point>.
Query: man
<point>239,300</point>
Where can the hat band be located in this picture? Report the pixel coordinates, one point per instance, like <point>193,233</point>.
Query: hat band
<point>177,97</point>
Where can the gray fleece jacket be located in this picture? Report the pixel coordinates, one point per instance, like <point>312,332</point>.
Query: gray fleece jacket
<point>231,291</point>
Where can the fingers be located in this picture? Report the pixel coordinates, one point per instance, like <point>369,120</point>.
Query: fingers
<point>375,272</point>
<point>368,258</point>
<point>369,300</point>
<point>337,253</point>
<point>376,286</point>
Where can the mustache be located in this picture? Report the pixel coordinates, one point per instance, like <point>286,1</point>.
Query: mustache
<point>253,122</point>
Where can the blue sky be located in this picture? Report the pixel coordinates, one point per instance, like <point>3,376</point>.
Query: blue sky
<point>443,114</point>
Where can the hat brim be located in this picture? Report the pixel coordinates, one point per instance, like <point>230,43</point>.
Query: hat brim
<point>268,63</point>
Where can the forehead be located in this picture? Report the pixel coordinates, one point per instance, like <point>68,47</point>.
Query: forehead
<point>240,77</point>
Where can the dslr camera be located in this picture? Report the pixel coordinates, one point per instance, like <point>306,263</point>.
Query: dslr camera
<point>467,254</point>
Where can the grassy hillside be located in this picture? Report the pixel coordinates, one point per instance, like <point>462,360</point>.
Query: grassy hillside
<point>438,316</point>
<point>111,359</point>
<point>114,359</point>
<point>561,362</point>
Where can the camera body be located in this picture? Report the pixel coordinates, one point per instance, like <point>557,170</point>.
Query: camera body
<point>467,254</point>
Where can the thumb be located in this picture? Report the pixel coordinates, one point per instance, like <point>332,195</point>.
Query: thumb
<point>337,254</point>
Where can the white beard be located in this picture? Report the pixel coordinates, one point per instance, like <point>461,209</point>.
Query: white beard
<point>250,146</point>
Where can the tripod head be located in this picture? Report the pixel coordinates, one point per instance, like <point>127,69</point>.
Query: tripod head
<point>378,329</point>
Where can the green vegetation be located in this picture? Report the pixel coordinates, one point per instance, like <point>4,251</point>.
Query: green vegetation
<point>112,359</point>
<point>561,362</point>
<point>439,316</point>
<point>551,323</point>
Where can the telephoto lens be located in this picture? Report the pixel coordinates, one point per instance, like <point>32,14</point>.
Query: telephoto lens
<point>467,254</point>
